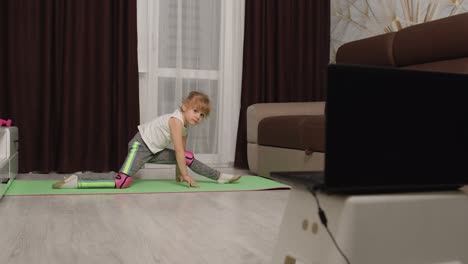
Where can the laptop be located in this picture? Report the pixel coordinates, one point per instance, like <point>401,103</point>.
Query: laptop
<point>394,130</point>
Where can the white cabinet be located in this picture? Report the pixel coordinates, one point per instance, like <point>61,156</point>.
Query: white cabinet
<point>8,157</point>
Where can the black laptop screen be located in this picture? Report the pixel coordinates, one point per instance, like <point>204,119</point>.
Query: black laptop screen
<point>390,127</point>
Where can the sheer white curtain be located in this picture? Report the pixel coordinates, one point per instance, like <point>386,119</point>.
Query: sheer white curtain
<point>187,45</point>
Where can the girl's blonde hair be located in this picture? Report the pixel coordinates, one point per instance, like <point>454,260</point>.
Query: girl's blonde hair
<point>198,100</point>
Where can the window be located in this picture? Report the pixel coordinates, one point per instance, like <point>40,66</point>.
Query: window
<point>189,45</point>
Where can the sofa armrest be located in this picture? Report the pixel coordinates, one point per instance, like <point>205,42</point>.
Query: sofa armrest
<point>257,112</point>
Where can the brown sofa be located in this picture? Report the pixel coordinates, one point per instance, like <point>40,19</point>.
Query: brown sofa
<point>291,136</point>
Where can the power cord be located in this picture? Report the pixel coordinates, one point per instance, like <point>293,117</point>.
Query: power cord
<point>324,221</point>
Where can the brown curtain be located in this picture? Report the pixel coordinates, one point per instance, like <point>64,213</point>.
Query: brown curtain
<point>69,81</point>
<point>286,53</point>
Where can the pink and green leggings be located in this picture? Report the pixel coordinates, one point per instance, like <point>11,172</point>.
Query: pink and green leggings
<point>138,155</point>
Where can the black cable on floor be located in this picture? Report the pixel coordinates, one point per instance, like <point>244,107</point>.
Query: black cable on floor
<point>324,221</point>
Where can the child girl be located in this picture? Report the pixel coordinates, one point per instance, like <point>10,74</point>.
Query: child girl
<point>150,145</point>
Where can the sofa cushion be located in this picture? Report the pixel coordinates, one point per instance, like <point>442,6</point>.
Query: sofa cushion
<point>441,39</point>
<point>453,66</point>
<point>376,50</point>
<point>257,112</point>
<point>302,132</point>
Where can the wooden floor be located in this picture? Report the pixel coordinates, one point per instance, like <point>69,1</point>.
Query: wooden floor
<point>221,227</point>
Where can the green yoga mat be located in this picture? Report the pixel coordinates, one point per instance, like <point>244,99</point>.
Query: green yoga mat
<point>246,183</point>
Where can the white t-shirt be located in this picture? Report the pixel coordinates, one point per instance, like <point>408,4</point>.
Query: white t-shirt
<point>157,134</point>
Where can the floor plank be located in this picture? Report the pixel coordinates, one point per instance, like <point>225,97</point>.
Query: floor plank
<point>230,227</point>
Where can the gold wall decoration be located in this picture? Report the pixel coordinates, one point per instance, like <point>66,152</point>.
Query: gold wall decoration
<point>357,19</point>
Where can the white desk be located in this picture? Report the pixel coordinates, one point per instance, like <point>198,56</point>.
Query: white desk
<point>419,228</point>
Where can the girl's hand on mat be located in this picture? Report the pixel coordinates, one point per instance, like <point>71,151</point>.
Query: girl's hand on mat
<point>179,178</point>
<point>190,181</point>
